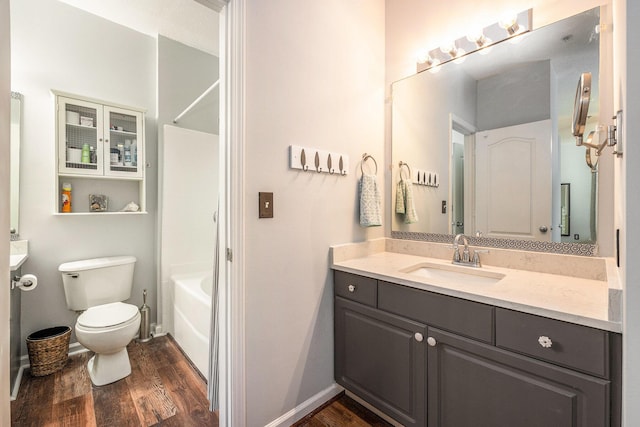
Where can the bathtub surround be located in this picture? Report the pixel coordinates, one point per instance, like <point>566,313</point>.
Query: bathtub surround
<point>192,316</point>
<point>189,193</point>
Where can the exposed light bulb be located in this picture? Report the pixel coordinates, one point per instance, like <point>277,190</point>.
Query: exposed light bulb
<point>450,49</point>
<point>510,24</point>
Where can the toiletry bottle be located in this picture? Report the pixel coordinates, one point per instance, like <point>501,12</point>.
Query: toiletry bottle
<point>86,154</point>
<point>134,153</point>
<point>114,156</point>
<point>127,152</point>
<point>93,156</point>
<point>66,197</point>
<point>120,154</point>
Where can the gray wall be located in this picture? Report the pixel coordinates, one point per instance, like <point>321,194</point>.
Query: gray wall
<point>184,73</point>
<point>55,46</point>
<point>504,101</point>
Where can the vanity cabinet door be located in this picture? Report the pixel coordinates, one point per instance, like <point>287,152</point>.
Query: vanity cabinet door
<point>474,384</point>
<point>381,358</point>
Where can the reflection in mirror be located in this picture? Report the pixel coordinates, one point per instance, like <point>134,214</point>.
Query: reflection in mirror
<point>565,209</point>
<point>497,130</point>
<point>14,179</point>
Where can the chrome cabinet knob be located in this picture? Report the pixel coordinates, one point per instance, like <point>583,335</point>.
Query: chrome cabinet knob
<point>432,341</point>
<point>418,336</point>
<point>543,229</point>
<point>351,288</point>
<point>545,342</point>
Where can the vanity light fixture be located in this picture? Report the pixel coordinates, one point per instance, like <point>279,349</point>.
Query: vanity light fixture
<point>481,40</point>
<point>510,24</point>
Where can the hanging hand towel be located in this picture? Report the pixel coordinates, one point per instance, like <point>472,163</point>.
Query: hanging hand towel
<point>400,207</point>
<point>369,202</point>
<point>410,215</point>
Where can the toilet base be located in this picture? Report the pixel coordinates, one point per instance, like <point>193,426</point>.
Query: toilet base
<point>108,368</point>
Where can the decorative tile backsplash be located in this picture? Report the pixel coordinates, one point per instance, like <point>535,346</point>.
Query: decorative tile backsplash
<point>581,249</point>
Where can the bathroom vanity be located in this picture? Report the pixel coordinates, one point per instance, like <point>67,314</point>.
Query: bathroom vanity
<point>516,347</point>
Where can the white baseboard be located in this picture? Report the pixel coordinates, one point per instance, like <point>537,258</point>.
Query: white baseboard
<point>306,407</point>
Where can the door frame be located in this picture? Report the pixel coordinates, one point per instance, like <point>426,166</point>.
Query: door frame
<point>232,388</point>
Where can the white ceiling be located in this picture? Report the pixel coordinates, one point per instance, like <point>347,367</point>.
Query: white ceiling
<point>186,21</point>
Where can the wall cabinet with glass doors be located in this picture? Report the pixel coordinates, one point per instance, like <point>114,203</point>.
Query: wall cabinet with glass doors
<point>101,148</point>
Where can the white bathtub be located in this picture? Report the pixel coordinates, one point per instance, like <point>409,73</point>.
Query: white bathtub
<point>192,316</point>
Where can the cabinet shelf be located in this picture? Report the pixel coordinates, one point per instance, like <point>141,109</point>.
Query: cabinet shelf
<point>122,132</point>
<point>75,125</point>
<point>98,213</point>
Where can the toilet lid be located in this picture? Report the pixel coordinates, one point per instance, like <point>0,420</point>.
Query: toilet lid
<point>105,315</point>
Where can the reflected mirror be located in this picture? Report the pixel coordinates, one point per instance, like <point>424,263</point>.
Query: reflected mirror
<point>497,131</point>
<point>14,164</point>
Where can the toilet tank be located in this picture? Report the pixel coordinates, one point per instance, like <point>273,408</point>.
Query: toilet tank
<point>97,281</point>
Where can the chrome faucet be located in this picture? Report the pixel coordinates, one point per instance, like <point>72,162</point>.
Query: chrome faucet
<point>466,258</point>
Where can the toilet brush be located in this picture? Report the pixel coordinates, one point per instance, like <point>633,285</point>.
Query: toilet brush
<point>145,327</point>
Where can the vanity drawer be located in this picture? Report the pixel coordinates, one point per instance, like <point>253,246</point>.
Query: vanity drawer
<point>468,318</point>
<point>574,346</point>
<point>356,288</point>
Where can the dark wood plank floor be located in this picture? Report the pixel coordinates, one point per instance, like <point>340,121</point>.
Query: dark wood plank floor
<point>342,411</point>
<point>163,390</point>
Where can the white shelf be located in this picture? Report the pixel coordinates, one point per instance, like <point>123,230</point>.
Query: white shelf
<point>123,132</point>
<point>75,125</point>
<point>107,177</point>
<point>97,213</point>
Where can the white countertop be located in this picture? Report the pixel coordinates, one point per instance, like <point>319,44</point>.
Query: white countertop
<point>19,253</point>
<point>573,299</point>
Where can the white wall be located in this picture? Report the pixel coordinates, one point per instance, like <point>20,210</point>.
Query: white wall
<point>55,46</point>
<point>5,113</point>
<point>314,77</point>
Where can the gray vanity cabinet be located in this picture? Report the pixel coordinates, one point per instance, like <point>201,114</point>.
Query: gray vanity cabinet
<point>380,357</point>
<point>427,359</point>
<point>474,384</point>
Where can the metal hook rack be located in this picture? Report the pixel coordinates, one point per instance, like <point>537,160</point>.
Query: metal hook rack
<point>366,157</point>
<point>323,161</point>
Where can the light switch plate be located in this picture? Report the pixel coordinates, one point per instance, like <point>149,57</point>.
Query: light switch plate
<point>265,205</point>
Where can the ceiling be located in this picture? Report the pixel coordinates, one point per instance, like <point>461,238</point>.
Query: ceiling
<point>188,21</point>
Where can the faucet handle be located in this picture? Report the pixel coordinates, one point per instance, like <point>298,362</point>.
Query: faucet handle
<point>476,256</point>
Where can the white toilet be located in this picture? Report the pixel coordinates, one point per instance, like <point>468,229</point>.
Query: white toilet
<point>98,286</point>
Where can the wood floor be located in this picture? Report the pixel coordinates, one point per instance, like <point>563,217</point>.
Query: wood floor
<point>342,411</point>
<point>163,390</point>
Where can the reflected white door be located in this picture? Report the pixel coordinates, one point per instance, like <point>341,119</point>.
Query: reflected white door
<point>513,181</point>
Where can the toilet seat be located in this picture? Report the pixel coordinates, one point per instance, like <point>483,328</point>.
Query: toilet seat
<point>107,315</point>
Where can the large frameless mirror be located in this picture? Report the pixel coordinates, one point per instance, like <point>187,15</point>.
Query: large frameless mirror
<point>14,193</point>
<point>497,131</point>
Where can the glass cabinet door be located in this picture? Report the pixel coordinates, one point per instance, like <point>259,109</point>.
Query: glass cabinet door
<point>80,137</point>
<point>124,149</point>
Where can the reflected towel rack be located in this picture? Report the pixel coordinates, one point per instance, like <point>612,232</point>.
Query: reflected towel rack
<point>366,157</point>
<point>198,99</point>
<point>400,165</point>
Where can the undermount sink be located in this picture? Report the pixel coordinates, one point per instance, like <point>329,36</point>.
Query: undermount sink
<point>452,273</point>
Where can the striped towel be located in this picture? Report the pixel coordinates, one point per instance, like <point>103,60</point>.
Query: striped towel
<point>370,212</point>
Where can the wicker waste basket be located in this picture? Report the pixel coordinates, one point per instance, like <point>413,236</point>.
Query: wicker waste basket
<point>48,350</point>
